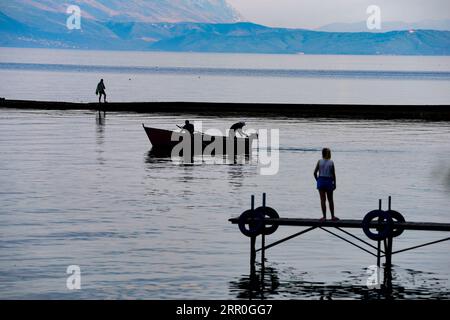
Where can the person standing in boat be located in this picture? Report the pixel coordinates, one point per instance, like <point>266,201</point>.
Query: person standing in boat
<point>326,182</point>
<point>189,127</point>
<point>189,154</point>
<point>101,91</point>
<point>237,127</point>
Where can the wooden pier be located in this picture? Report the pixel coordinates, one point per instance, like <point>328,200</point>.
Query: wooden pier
<point>352,224</point>
<point>378,225</point>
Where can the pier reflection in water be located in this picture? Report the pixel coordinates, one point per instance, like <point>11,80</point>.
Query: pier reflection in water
<point>278,283</point>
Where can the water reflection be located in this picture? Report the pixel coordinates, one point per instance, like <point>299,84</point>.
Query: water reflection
<point>156,155</point>
<point>188,175</point>
<point>236,164</point>
<point>236,175</point>
<point>251,287</point>
<point>100,121</point>
<point>100,118</point>
<point>289,284</point>
<point>159,154</point>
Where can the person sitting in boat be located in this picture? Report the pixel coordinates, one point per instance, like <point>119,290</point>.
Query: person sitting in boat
<point>189,127</point>
<point>237,127</point>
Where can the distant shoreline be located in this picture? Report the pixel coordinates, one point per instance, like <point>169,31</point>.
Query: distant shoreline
<point>340,111</point>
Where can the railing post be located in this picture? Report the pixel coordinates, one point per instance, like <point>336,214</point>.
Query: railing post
<point>252,243</point>
<point>388,267</point>
<point>388,260</point>
<point>263,244</point>
<point>389,244</point>
<point>379,242</point>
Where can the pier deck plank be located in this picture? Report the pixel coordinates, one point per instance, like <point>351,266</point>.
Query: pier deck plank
<point>356,224</point>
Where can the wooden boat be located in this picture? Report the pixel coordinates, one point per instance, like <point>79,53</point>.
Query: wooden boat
<point>166,140</point>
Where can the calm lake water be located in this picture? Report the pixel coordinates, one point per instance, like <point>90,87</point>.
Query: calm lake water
<point>74,191</point>
<point>71,75</point>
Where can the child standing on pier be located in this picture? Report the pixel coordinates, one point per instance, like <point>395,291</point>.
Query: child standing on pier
<point>326,182</point>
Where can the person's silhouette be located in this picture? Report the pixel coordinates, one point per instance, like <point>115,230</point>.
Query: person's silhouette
<point>189,127</point>
<point>101,91</point>
<point>189,154</point>
<point>237,127</point>
<point>326,182</point>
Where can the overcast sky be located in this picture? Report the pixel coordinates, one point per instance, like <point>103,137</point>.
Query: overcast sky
<point>315,13</point>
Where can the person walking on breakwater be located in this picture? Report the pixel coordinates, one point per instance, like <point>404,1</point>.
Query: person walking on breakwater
<point>101,91</point>
<point>237,127</point>
<point>326,182</point>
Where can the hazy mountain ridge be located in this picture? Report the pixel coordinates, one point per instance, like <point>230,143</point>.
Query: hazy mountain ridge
<point>361,26</point>
<point>45,26</point>
<point>212,11</point>
<point>252,39</point>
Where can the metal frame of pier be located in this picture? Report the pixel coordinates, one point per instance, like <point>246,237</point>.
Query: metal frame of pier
<point>339,226</point>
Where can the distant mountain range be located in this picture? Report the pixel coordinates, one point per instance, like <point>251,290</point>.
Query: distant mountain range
<point>50,11</point>
<point>443,25</point>
<point>192,26</point>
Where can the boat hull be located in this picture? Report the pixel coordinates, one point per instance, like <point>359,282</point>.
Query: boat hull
<point>164,141</point>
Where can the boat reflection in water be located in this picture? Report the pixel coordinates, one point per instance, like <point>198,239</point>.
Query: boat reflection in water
<point>158,155</point>
<point>291,285</point>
